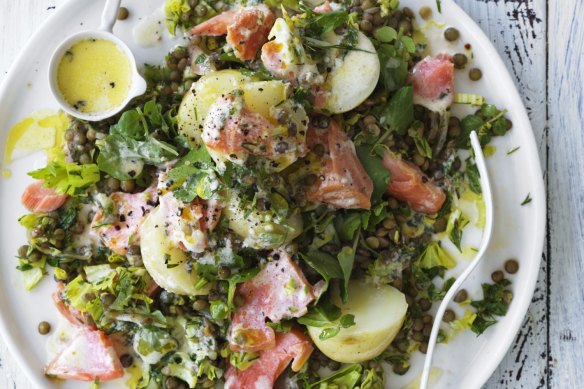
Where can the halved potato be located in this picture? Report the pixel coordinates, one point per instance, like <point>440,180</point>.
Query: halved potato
<point>259,230</point>
<point>353,78</point>
<point>259,96</point>
<point>379,315</point>
<point>165,262</point>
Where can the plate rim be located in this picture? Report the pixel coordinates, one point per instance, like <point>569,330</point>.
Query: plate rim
<point>532,157</point>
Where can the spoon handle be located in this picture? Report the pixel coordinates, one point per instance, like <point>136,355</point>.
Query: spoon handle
<point>487,232</point>
<point>109,15</point>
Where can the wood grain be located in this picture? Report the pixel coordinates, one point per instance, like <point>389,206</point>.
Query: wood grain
<point>566,174</point>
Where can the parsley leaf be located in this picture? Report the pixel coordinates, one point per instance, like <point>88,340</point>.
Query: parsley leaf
<point>399,113</point>
<point>490,306</point>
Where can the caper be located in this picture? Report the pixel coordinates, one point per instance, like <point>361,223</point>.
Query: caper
<point>200,305</point>
<point>182,64</point>
<point>497,276</point>
<point>212,44</point>
<point>281,147</point>
<point>44,328</point>
<point>175,75</point>
<point>406,26</point>
<point>423,348</point>
<point>193,3</point>
<point>201,10</point>
<point>238,300</point>
<point>400,368</point>
<point>128,185</point>
<point>59,234</point>
<point>35,256</point>
<point>425,12</point>
<point>171,383</point>
<point>418,336</point>
<point>427,318</point>
<point>23,251</point>
<point>511,266</point>
<point>113,184</point>
<point>80,137</point>
<point>459,60</point>
<point>369,119</point>
<point>425,304</point>
<point>383,243</point>
<point>373,129</point>
<point>389,223</point>
<point>123,13</point>
<point>461,296</point>
<point>107,299</point>
<point>224,272</point>
<point>475,74</point>
<point>440,225</point>
<point>417,325</point>
<point>366,25</point>
<point>372,242</point>
<point>408,12</point>
<point>91,135</point>
<point>85,159</point>
<point>126,360</point>
<point>319,149</point>
<point>451,34</point>
<point>449,316</point>
<point>69,135</point>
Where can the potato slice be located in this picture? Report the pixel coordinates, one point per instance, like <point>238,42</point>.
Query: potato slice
<point>165,262</point>
<point>258,230</point>
<point>379,315</point>
<point>353,78</point>
<point>259,96</point>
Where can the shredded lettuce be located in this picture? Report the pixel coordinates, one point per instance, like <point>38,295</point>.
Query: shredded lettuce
<point>465,322</point>
<point>68,178</point>
<point>434,255</point>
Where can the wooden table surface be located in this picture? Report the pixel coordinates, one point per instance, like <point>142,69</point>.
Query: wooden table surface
<point>542,44</point>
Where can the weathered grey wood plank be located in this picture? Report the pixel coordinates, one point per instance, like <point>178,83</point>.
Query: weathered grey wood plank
<point>566,175</point>
<point>518,31</point>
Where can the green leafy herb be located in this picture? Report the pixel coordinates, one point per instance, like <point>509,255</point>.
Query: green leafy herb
<point>527,200</point>
<point>399,113</point>
<point>373,165</point>
<point>346,259</point>
<point>421,143</point>
<point>492,305</point>
<point>513,150</point>
<point>68,178</point>
<point>345,378</point>
<point>219,310</point>
<point>322,315</point>
<point>439,5</point>
<point>474,177</point>
<point>130,146</point>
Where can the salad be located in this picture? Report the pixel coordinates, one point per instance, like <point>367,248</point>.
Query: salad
<point>280,208</point>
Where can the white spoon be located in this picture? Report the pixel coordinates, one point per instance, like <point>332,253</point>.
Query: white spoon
<point>137,86</point>
<point>486,238</point>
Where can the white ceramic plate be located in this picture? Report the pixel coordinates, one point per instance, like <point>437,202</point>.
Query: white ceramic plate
<point>465,362</point>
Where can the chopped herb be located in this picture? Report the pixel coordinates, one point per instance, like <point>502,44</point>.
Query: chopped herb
<point>527,199</point>
<point>513,150</point>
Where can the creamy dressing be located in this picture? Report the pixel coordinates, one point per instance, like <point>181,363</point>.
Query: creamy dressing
<point>94,76</point>
<point>148,31</point>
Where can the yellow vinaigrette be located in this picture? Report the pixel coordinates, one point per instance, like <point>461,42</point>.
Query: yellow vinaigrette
<point>94,76</point>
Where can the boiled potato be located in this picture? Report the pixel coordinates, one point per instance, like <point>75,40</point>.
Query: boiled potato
<point>258,97</point>
<point>259,230</point>
<point>379,315</point>
<point>353,78</point>
<point>160,256</point>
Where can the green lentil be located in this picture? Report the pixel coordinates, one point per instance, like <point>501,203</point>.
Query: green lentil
<point>511,266</point>
<point>475,74</point>
<point>123,13</point>
<point>497,276</point>
<point>44,328</point>
<point>451,34</point>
